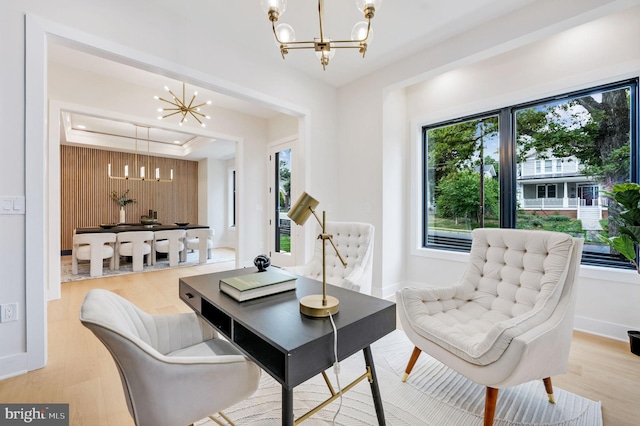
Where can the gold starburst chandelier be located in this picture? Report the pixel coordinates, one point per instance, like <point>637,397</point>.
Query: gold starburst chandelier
<point>361,34</point>
<point>182,107</point>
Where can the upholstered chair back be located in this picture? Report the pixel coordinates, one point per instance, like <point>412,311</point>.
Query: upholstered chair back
<point>354,240</point>
<point>173,367</point>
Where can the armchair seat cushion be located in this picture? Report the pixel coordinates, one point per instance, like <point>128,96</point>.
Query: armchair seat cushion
<point>84,252</point>
<point>512,285</point>
<point>163,246</point>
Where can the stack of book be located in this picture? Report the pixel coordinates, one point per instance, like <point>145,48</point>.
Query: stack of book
<point>259,284</point>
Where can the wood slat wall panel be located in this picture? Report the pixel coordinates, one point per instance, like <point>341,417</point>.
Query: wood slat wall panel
<point>85,192</point>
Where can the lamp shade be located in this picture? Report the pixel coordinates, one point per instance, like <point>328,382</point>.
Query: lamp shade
<point>303,208</point>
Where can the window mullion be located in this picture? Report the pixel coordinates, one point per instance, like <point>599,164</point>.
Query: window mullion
<point>508,202</point>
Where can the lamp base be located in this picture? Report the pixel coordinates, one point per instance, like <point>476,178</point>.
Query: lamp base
<point>312,306</point>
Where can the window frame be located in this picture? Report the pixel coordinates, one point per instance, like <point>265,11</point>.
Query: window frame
<point>509,167</point>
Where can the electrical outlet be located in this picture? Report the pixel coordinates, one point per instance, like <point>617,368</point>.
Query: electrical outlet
<point>9,312</point>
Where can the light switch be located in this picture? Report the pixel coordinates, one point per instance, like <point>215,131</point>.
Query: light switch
<point>18,205</point>
<point>12,205</point>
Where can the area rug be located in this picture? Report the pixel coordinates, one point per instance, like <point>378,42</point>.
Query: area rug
<point>218,256</point>
<point>434,395</point>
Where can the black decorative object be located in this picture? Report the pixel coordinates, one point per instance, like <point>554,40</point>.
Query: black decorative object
<point>634,341</point>
<point>262,262</point>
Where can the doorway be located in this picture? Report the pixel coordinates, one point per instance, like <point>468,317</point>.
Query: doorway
<point>281,239</point>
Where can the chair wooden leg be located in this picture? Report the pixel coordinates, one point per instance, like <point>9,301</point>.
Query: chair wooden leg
<point>490,401</point>
<point>549,388</point>
<point>412,361</point>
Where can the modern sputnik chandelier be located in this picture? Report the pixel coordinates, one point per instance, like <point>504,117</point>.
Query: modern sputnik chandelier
<point>143,169</point>
<point>361,34</point>
<point>182,107</point>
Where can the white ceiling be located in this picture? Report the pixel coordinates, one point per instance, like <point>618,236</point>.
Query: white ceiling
<point>401,28</point>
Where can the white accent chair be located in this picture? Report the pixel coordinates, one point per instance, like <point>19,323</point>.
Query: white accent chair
<point>174,368</point>
<point>94,248</point>
<point>135,244</point>
<point>510,318</point>
<point>170,242</point>
<point>354,240</point>
<point>201,240</point>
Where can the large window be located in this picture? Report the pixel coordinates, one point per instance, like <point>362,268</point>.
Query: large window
<point>542,165</point>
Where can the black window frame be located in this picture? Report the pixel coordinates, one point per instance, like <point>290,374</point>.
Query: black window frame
<point>508,166</point>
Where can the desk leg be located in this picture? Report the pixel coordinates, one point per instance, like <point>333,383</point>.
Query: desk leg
<point>287,406</point>
<point>375,391</point>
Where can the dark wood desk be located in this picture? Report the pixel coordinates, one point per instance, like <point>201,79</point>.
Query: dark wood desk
<point>289,346</point>
<point>127,227</point>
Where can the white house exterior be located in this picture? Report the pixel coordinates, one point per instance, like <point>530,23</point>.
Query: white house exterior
<point>557,186</point>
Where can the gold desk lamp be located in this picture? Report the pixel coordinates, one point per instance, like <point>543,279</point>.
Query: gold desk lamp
<point>316,305</point>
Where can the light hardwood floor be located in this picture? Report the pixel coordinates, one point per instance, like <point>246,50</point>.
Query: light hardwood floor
<point>81,372</point>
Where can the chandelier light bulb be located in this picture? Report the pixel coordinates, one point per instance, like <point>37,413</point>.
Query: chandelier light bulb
<point>208,102</point>
<point>359,32</point>
<point>166,88</point>
<point>279,6</point>
<point>285,33</point>
<point>156,97</point>
<point>363,4</point>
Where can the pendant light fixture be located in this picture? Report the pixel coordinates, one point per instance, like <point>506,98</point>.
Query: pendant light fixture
<point>325,47</point>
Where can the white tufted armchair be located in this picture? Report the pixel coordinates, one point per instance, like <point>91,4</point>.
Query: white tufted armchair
<point>174,369</point>
<point>355,242</point>
<point>510,318</point>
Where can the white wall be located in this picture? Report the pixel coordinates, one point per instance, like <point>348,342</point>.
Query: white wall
<point>453,80</point>
<point>134,33</point>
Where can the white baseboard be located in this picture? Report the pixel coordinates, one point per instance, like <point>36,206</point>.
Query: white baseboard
<point>13,365</point>
<point>601,328</point>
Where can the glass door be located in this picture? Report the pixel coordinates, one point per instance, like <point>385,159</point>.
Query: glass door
<point>281,237</point>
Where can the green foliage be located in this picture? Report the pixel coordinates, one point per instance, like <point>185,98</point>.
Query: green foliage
<point>624,214</point>
<point>122,200</point>
<point>459,146</point>
<point>596,132</point>
<point>459,196</point>
<point>284,190</point>
<point>558,218</point>
<point>550,223</point>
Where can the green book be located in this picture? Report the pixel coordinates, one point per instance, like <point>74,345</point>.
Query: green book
<point>258,284</point>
